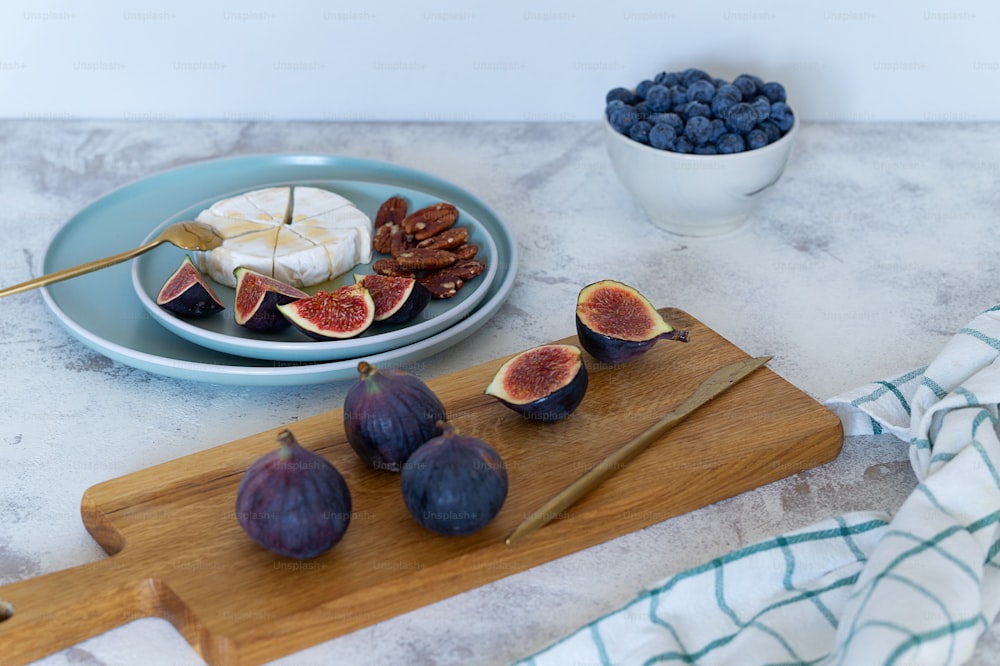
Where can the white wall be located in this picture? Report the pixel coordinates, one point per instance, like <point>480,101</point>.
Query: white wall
<point>920,60</point>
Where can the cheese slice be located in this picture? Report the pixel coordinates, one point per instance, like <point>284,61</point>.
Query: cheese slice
<point>326,236</point>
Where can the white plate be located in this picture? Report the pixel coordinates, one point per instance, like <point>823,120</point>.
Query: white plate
<point>103,311</point>
<point>221,332</point>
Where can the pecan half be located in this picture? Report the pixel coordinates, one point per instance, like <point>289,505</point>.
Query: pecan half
<point>441,286</point>
<point>392,211</point>
<point>400,241</point>
<point>420,259</point>
<point>447,239</point>
<point>466,251</point>
<point>382,240</point>
<point>465,270</point>
<point>391,268</point>
<point>430,220</point>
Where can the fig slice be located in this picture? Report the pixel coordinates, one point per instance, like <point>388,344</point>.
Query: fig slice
<point>332,315</point>
<point>187,293</point>
<point>545,383</point>
<point>615,323</point>
<point>398,300</point>
<point>258,297</point>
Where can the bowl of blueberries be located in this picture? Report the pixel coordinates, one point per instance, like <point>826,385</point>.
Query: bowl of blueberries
<point>696,151</point>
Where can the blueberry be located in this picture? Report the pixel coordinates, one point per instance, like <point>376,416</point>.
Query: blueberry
<point>640,131</point>
<point>643,88</point>
<point>698,129</point>
<point>756,138</point>
<point>680,96</point>
<point>701,90</point>
<point>729,90</point>
<point>730,143</point>
<point>623,116</point>
<point>668,79</point>
<point>706,149</point>
<point>747,84</point>
<point>658,99</point>
<point>693,74</point>
<point>782,115</point>
<point>695,108</point>
<point>771,129</point>
<point>740,118</point>
<point>622,95</point>
<point>721,103</point>
<point>662,136</point>
<point>642,109</point>
<point>774,91</point>
<point>762,105</point>
<point>669,118</point>
<point>683,145</point>
<point>718,129</point>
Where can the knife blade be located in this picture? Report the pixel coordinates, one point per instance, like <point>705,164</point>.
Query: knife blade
<point>719,381</point>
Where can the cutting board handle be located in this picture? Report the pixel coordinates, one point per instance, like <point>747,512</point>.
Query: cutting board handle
<point>55,611</point>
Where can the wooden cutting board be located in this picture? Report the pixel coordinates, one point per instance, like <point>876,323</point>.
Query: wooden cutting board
<point>178,553</point>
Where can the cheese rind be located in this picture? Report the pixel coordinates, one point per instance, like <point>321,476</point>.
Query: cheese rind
<point>326,237</point>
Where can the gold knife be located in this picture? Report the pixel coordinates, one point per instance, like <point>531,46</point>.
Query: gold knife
<point>718,382</point>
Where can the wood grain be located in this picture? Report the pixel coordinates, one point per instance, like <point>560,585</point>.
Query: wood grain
<point>177,552</point>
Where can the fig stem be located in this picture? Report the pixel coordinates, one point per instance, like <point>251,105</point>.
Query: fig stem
<point>679,336</point>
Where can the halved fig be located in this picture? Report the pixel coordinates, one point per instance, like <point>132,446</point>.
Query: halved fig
<point>615,323</point>
<point>398,300</point>
<point>258,297</point>
<point>332,315</point>
<point>186,293</point>
<point>544,383</point>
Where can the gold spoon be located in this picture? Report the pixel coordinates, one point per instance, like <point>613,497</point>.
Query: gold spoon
<point>189,235</point>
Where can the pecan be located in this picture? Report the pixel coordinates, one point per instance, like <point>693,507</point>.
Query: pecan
<point>400,241</point>
<point>391,268</point>
<point>419,259</point>
<point>465,270</point>
<point>430,220</point>
<point>447,239</point>
<point>392,211</point>
<point>440,285</point>
<point>466,251</point>
<point>382,240</point>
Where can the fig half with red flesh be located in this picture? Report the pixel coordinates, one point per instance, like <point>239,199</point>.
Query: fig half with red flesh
<point>332,315</point>
<point>186,293</point>
<point>258,297</point>
<point>398,300</point>
<point>545,383</point>
<point>615,323</point>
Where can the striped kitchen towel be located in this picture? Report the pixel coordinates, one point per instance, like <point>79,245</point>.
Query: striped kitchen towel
<point>919,587</point>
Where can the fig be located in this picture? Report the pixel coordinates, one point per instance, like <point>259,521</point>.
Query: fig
<point>398,300</point>
<point>187,293</point>
<point>293,502</point>
<point>331,315</point>
<point>615,323</point>
<point>258,297</point>
<point>545,383</point>
<point>454,484</point>
<point>388,414</point>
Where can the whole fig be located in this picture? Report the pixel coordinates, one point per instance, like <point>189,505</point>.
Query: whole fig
<point>293,502</point>
<point>388,414</point>
<point>454,484</point>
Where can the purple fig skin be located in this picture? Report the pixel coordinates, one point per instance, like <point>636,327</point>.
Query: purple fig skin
<point>614,351</point>
<point>416,302</point>
<point>550,407</point>
<point>186,293</point>
<point>293,502</point>
<point>454,484</point>
<point>389,414</point>
<point>267,318</point>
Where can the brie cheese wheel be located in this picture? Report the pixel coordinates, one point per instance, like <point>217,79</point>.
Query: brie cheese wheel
<point>324,236</point>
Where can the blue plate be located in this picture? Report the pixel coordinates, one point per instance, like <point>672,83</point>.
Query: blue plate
<point>103,311</point>
<point>221,332</point>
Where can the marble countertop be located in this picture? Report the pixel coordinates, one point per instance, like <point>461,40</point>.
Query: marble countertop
<point>873,249</point>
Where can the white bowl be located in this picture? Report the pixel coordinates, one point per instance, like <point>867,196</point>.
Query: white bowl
<point>697,195</point>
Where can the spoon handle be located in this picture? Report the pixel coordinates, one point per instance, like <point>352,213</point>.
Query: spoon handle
<point>75,271</point>
<point>718,382</point>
